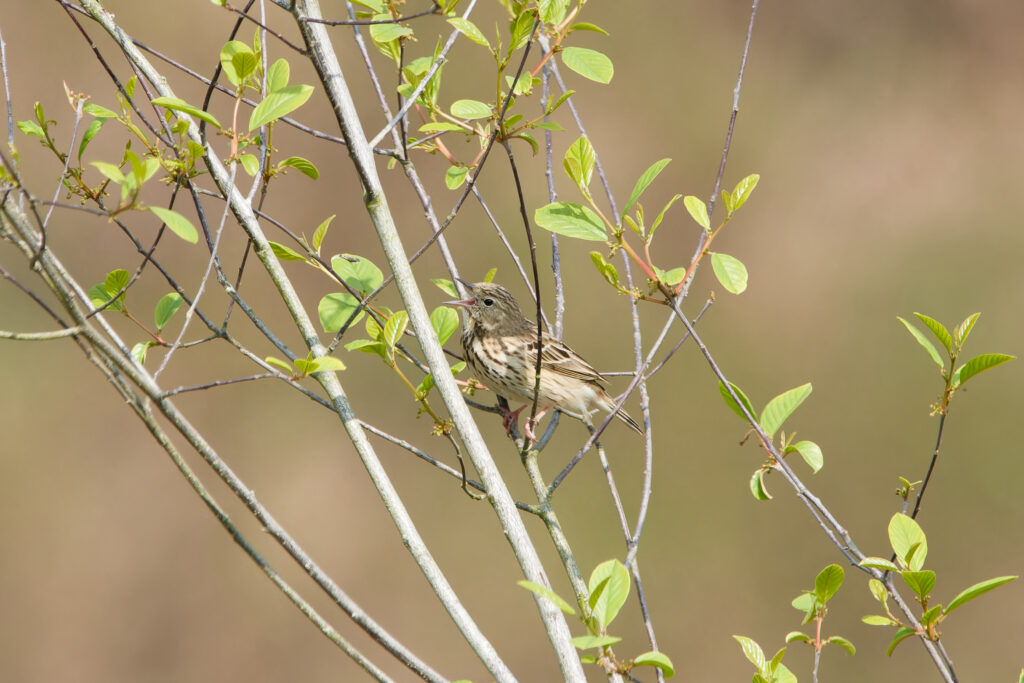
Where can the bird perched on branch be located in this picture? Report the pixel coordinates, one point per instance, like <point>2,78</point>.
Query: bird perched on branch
<point>500,345</point>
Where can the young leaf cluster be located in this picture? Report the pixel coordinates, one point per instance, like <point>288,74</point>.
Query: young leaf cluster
<point>608,588</point>
<point>586,221</point>
<point>910,546</point>
<point>112,294</point>
<point>954,373</point>
<point>775,413</point>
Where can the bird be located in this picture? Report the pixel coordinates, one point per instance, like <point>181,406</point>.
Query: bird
<point>500,346</point>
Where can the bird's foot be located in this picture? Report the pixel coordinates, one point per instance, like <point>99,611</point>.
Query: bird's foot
<point>511,417</point>
<point>530,424</point>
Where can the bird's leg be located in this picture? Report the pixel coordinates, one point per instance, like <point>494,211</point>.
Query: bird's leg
<point>531,423</point>
<point>511,417</point>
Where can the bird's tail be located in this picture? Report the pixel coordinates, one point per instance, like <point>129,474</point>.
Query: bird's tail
<point>625,417</point>
<point>609,404</point>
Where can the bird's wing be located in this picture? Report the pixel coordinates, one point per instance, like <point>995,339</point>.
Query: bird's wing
<point>559,358</point>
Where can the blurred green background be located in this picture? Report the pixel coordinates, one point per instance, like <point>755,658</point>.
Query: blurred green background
<point>887,136</point>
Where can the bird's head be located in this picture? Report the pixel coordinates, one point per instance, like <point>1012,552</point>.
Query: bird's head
<point>492,307</point>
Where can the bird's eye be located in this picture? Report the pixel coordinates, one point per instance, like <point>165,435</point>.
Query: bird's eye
<point>488,301</point>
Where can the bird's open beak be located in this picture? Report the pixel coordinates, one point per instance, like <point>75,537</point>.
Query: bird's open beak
<point>465,303</point>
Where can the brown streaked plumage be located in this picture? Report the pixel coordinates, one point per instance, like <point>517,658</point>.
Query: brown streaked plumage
<point>500,345</point>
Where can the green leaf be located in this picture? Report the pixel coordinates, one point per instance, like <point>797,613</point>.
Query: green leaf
<point>586,26</point>
<point>656,659</point>
<point>469,29</point>
<point>980,364</point>
<point>165,308</point>
<point>489,275</point>
<point>181,105</point>
<point>902,634</point>
<point>698,211</point>
<point>31,128</point>
<point>742,191</point>
<point>250,163</point>
<point>305,366</point>
<point>931,615</point>
<point>572,220</point>
<point>732,404</point>
<point>964,329</point>
<point>385,33</point>
<point>782,406</point>
<point>394,328</point>
<point>589,63</point>
<point>179,225</point>
<point>277,75</point>
<point>843,643</point>
<point>810,452</point>
<point>549,125</point>
<point>878,620</point>
<point>227,60</point>
<point>244,63</point>
<point>521,29</point>
<point>139,351</point>
<point>579,162</point>
<point>99,295</point>
<point>471,109</point>
<point>645,179</point>
<point>425,385</point>
<point>109,170</point>
<point>753,652</point>
<point>522,86</point>
<point>455,176</point>
<point>321,232</point>
<point>615,593</point>
<point>905,536</point>
<point>730,271</point>
<point>361,274</point>
<point>828,582</point>
<point>588,642</point>
<point>436,126</point>
<point>977,589</point>
<point>552,106</point>
<point>117,280</point>
<point>444,321</point>
<point>797,636</point>
<point>784,675</point>
<point>552,11</point>
<point>279,364</point>
<point>548,594</point>
<point>278,104</point>
<point>303,166</point>
<point>446,286</point>
<point>368,346</point>
<point>530,139</point>
<point>757,487</point>
<point>804,602</point>
<point>335,310</point>
<point>923,341</point>
<point>879,563</point>
<point>877,588</point>
<point>98,111</point>
<point>328,364</point>
<point>670,277</point>
<point>286,253</point>
<point>606,269</point>
<point>89,134</point>
<point>938,329</point>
